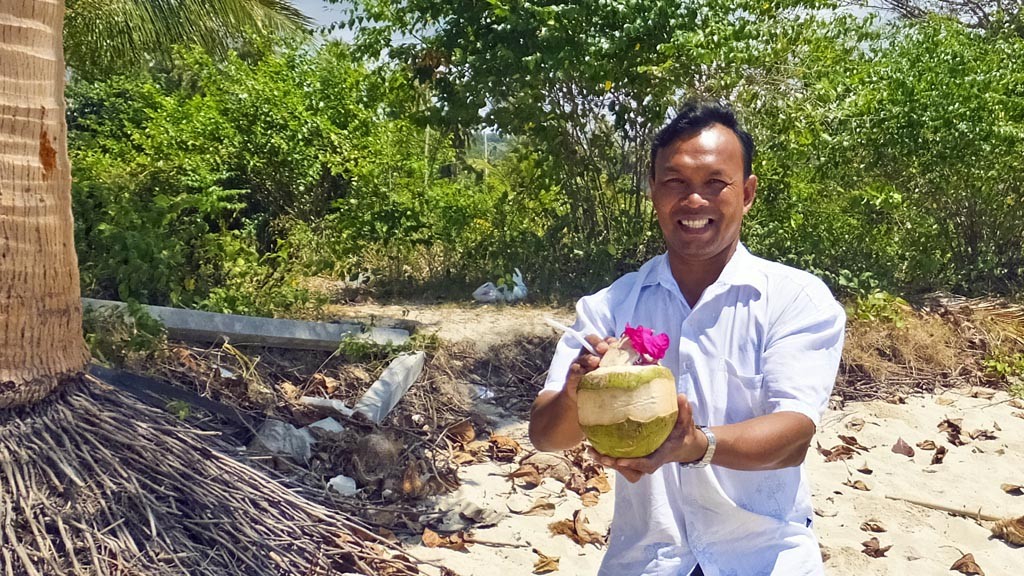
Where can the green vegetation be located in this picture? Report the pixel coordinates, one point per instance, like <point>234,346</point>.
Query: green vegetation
<point>891,155</point>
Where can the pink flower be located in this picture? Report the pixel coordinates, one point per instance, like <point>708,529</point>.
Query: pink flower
<point>651,348</point>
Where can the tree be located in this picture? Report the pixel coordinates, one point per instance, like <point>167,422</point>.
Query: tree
<point>990,15</point>
<point>91,481</point>
<point>106,35</point>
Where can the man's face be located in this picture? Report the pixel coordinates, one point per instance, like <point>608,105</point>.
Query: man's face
<point>700,194</point>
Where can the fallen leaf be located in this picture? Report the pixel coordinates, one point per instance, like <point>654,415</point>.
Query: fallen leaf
<point>590,498</point>
<point>462,458</point>
<point>600,483</point>
<point>824,514</point>
<point>1017,403</point>
<point>455,541</point>
<point>896,399</point>
<point>412,483</point>
<point>526,474</point>
<point>967,565</point>
<point>853,443</point>
<point>1015,489</point>
<point>857,484</point>
<point>926,445</point>
<point>328,384</point>
<point>983,393</point>
<point>503,448</point>
<point>864,469</point>
<point>577,483</point>
<point>840,452</point>
<point>901,447</point>
<point>462,432</point>
<point>944,400</point>
<point>825,553</point>
<point>952,430</point>
<point>577,530</point>
<point>872,526</point>
<point>996,427</point>
<point>940,454</point>
<point>873,548</point>
<point>1010,530</point>
<point>540,507</point>
<point>1019,414</point>
<point>544,563</point>
<point>981,435</point>
<point>855,424</point>
<point>549,465</point>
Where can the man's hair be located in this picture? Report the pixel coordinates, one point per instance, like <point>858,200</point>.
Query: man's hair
<point>695,116</point>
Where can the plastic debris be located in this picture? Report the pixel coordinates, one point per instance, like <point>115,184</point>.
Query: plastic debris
<point>343,485</point>
<point>282,438</point>
<point>328,425</point>
<point>393,383</point>
<point>329,404</point>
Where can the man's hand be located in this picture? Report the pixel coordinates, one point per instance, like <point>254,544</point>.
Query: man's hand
<point>554,422</point>
<point>685,443</point>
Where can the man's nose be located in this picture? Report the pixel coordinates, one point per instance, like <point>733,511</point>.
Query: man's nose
<point>694,200</point>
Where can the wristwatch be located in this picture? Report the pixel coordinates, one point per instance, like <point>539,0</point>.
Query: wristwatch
<point>707,455</point>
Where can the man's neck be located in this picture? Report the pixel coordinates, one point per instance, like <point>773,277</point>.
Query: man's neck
<point>694,276</point>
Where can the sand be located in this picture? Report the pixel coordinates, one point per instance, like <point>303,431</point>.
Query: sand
<point>924,541</point>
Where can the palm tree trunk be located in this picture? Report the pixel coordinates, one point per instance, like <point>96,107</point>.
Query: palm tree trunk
<point>40,308</point>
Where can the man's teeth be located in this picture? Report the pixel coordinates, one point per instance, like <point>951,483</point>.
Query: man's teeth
<point>695,223</point>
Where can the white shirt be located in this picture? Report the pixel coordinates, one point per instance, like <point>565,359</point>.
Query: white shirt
<point>763,338</point>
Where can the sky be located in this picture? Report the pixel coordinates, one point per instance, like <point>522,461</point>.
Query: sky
<point>321,12</point>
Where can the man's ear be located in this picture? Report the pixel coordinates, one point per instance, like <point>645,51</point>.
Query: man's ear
<point>749,192</point>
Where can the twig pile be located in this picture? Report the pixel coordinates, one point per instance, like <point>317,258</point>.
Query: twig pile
<point>93,482</point>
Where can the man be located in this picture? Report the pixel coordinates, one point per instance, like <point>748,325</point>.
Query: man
<point>755,348</point>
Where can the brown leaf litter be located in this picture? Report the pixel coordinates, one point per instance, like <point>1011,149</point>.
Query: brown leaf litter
<point>967,565</point>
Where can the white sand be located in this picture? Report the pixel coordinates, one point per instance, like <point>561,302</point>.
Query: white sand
<point>924,541</point>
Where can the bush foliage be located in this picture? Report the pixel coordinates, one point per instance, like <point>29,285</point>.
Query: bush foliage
<point>890,153</point>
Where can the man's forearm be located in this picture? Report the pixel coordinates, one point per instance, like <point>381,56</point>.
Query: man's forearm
<point>767,442</point>
<point>554,424</point>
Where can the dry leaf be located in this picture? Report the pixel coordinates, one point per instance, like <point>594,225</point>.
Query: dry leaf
<point>577,530</point>
<point>901,447</point>
<point>952,430</point>
<point>967,565</point>
<point>540,507</point>
<point>873,548</point>
<point>855,424</point>
<point>840,452</point>
<point>549,465</point>
<point>896,399</point>
<point>926,445</point>
<point>1017,403</point>
<point>600,482</point>
<point>1010,530</point>
<point>858,484</point>
<point>996,427</point>
<point>852,442</point>
<point>544,563</point>
<point>503,448</point>
<point>981,435</point>
<point>940,453</point>
<point>590,498</point>
<point>462,432</point>
<point>864,469</point>
<point>576,482</point>
<point>1015,489</point>
<point>461,458</point>
<point>983,393</point>
<point>1019,414</point>
<point>944,400</point>
<point>412,484</point>
<point>527,475</point>
<point>872,526</point>
<point>457,541</point>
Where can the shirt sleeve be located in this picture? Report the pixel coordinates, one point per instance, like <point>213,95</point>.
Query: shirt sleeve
<point>592,317</point>
<point>802,354</point>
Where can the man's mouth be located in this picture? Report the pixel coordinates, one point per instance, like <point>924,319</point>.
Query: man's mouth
<point>694,224</point>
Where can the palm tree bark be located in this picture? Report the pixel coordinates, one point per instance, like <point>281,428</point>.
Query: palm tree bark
<point>41,341</point>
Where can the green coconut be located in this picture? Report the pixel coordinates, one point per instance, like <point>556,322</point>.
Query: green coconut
<point>627,411</point>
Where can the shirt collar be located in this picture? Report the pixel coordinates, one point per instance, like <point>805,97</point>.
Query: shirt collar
<point>740,270</point>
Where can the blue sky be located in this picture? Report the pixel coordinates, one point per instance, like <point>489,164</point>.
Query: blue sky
<point>320,11</point>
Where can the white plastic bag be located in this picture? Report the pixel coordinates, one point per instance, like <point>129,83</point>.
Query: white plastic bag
<point>487,292</point>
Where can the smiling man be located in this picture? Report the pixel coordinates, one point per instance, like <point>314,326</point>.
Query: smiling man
<point>754,346</point>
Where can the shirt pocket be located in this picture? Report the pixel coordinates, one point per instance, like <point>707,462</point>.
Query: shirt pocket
<point>743,392</point>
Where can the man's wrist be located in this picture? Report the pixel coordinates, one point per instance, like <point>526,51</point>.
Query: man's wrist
<point>707,454</point>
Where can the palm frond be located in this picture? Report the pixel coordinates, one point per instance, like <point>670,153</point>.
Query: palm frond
<point>111,35</point>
